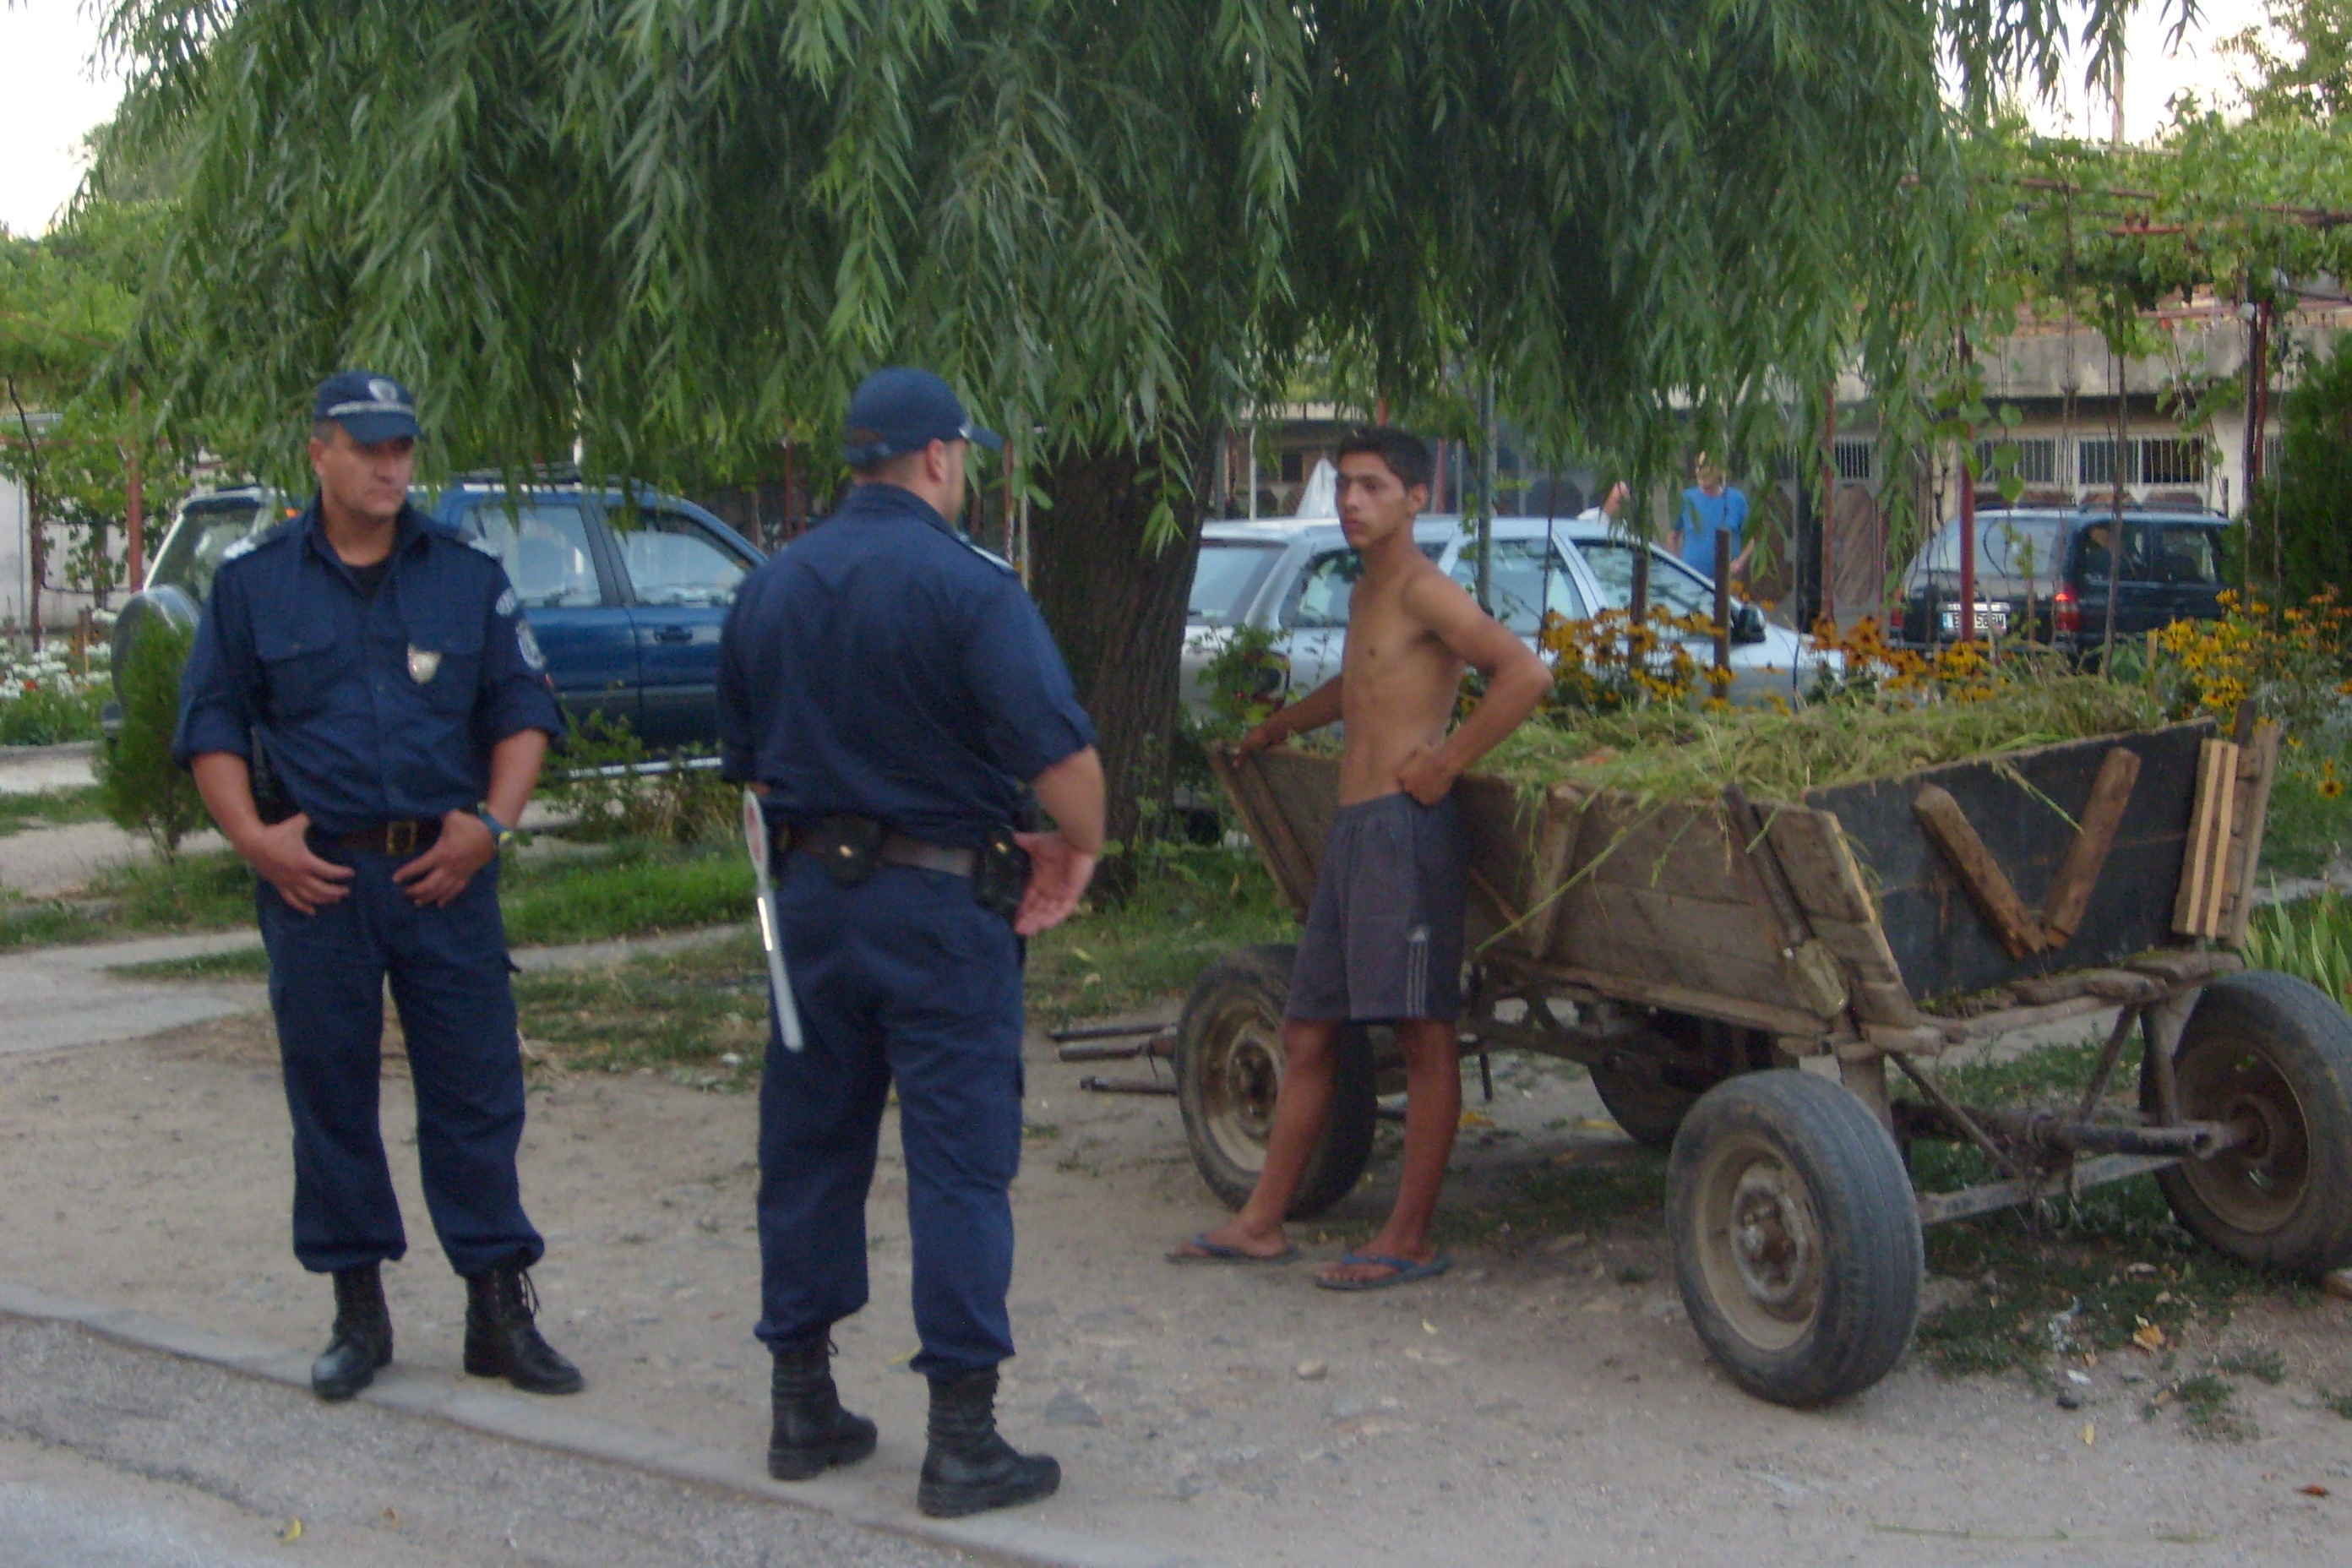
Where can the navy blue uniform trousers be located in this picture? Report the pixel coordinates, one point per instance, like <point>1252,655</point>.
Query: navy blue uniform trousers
<point>905,979</point>
<point>450,980</point>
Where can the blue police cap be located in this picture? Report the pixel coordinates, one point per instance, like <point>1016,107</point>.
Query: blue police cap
<point>372,407</point>
<point>902,409</point>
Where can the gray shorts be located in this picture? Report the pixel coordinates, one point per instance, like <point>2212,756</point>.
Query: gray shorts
<point>1384,937</point>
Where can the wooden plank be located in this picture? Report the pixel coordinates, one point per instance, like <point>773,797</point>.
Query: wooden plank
<point>2025,807</point>
<point>2261,762</point>
<point>1242,788</point>
<point>1819,868</point>
<point>1697,942</point>
<point>2225,814</point>
<point>2188,907</point>
<point>1679,846</point>
<point>2070,890</point>
<point>1564,819</point>
<point>1679,998</point>
<point>1262,810</point>
<point>1978,871</point>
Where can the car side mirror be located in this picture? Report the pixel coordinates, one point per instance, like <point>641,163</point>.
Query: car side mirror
<point>1747,625</point>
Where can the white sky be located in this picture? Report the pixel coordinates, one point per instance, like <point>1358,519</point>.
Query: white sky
<point>49,96</point>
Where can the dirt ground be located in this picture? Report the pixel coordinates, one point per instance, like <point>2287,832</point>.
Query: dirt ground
<point>1546,1402</point>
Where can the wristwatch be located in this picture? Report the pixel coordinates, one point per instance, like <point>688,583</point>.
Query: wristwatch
<point>499,831</point>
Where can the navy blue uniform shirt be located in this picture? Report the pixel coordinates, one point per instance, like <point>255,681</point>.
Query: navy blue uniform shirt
<point>882,667</point>
<point>371,710</point>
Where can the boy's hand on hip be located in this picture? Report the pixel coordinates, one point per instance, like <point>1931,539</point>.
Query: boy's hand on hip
<point>1426,776</point>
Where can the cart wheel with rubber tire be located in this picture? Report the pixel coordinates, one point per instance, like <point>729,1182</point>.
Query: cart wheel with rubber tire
<point>1796,1239</point>
<point>2272,1053</point>
<point>1678,1058</point>
<point>1229,1070</point>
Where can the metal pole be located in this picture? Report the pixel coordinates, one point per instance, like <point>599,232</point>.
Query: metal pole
<point>135,550</point>
<point>2117,469</point>
<point>1829,497</point>
<point>1968,520</point>
<point>1252,471</point>
<point>1722,683</point>
<point>1486,501</point>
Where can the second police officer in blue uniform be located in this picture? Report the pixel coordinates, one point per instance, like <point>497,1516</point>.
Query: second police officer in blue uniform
<point>890,690</point>
<point>379,665</point>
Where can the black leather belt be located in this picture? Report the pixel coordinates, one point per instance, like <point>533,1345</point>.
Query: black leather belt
<point>403,839</point>
<point>899,849</point>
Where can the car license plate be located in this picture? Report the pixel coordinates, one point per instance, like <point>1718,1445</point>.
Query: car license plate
<point>1993,620</point>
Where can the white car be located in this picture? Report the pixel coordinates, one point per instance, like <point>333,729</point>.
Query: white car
<point>1293,577</point>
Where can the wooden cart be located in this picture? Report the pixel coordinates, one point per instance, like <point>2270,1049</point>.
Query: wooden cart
<point>1699,958</point>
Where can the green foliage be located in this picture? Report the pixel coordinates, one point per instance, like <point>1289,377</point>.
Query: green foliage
<point>700,1015</point>
<point>2309,937</point>
<point>1242,683</point>
<point>2305,508</point>
<point>144,790</point>
<point>45,702</point>
<point>612,787</point>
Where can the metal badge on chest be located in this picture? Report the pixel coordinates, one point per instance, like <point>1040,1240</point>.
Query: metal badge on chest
<point>424,663</point>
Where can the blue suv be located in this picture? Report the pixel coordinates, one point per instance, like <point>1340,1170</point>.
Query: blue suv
<point>625,593</point>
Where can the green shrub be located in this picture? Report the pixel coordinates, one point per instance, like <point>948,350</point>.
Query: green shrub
<point>613,788</point>
<point>2310,937</point>
<point>43,702</point>
<point>144,789</point>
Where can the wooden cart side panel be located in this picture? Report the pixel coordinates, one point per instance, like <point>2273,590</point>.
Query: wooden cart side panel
<point>1501,863</point>
<point>1287,861</point>
<point>1938,939</point>
<point>1661,899</point>
<point>1829,885</point>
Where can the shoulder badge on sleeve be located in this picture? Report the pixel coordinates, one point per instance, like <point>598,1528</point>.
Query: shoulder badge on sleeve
<point>507,603</point>
<point>528,645</point>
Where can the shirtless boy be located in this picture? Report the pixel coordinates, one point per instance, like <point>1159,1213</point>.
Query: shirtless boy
<point>1384,936</point>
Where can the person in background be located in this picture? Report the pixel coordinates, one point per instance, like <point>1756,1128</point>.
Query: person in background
<point>1711,507</point>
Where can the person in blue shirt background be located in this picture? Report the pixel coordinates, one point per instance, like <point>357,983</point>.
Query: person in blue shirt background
<point>1710,507</point>
<point>379,665</point>
<point>888,691</point>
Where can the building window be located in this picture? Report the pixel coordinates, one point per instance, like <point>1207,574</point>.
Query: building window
<point>2094,462</point>
<point>2037,460</point>
<point>1854,459</point>
<point>2170,460</point>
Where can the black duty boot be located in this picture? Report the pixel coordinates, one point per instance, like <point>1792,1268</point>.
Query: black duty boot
<point>361,1341</point>
<point>501,1340</point>
<point>812,1430</point>
<point>968,1468</point>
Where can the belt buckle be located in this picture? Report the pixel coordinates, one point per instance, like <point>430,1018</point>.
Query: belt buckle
<point>400,837</point>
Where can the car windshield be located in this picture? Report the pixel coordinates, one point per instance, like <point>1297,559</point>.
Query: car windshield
<point>1226,580</point>
<point>1672,585</point>
<point>2021,547</point>
<point>1526,580</point>
<point>206,530</point>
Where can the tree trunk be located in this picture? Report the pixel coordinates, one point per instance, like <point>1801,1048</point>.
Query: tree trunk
<point>1117,609</point>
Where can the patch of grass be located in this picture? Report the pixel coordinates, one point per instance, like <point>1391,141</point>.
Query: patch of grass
<point>2262,1366</point>
<point>2079,1277</point>
<point>638,889</point>
<point>1189,906</point>
<point>1594,1195</point>
<point>680,1014</point>
<point>49,808</point>
<point>245,963</point>
<point>196,892</point>
<point>2208,1408</point>
<point>2340,1403</point>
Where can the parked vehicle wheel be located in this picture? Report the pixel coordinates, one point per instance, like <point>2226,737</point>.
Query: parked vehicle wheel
<point>2271,1053</point>
<point>1659,1076</point>
<point>1229,1070</point>
<point>1796,1241</point>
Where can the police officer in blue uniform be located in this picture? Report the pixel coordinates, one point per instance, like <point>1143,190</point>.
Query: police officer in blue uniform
<point>375,665</point>
<point>890,689</point>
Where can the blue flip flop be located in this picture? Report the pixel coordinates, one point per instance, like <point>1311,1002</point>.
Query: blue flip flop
<point>1207,1251</point>
<point>1407,1271</point>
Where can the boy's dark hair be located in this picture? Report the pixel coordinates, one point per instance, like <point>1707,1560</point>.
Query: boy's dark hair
<point>1406,454</point>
